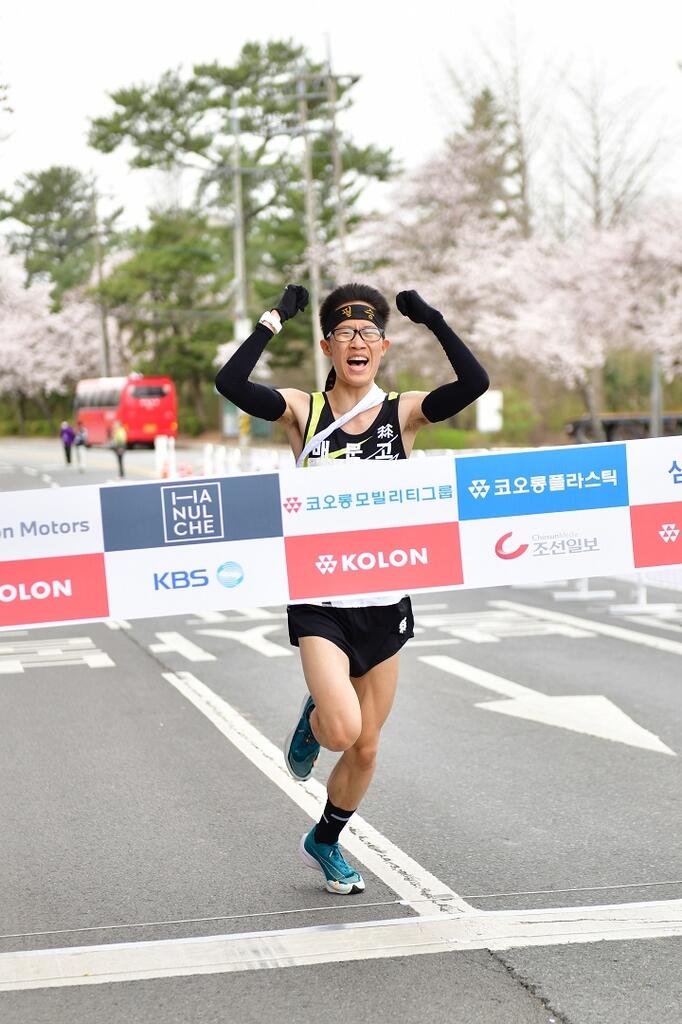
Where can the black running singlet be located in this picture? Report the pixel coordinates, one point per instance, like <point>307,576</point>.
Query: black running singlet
<point>381,441</point>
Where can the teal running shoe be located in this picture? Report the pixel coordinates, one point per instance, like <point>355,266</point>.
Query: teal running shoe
<point>301,749</point>
<point>339,877</point>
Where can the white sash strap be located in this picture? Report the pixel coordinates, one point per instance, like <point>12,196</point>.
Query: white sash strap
<point>374,396</point>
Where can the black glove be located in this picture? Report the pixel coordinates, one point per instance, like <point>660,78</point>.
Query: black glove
<point>294,299</point>
<point>412,305</point>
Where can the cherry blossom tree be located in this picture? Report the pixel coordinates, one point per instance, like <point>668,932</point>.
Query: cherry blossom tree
<point>43,353</point>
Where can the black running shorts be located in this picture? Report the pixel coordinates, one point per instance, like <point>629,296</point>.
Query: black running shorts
<point>367,635</point>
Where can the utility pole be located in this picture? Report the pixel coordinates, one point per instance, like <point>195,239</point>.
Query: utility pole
<point>106,358</point>
<point>337,165</point>
<point>311,234</point>
<point>656,417</point>
<point>241,323</point>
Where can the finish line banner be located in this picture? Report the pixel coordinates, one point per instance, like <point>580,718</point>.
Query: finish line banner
<point>352,527</point>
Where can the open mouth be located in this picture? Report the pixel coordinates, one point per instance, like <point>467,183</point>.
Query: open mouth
<point>358,361</point>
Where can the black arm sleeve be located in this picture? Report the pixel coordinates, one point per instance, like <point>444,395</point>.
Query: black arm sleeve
<point>233,380</point>
<point>472,380</point>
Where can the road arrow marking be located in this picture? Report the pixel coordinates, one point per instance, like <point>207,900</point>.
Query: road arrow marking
<point>593,715</point>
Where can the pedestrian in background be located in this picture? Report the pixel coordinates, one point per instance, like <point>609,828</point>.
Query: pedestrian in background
<point>119,442</point>
<point>67,434</point>
<point>81,442</point>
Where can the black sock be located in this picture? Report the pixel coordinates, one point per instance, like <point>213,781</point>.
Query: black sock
<point>330,824</point>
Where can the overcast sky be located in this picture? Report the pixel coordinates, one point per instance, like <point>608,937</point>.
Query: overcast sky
<point>61,59</point>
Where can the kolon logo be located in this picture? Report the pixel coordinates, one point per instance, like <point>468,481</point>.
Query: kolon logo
<point>507,555</point>
<point>363,561</point>
<point>656,533</point>
<point>668,532</point>
<point>369,561</point>
<point>292,504</point>
<point>53,590</point>
<point>479,488</point>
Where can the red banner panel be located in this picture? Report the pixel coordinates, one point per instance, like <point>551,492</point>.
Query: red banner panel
<point>53,590</point>
<point>368,561</point>
<point>657,534</point>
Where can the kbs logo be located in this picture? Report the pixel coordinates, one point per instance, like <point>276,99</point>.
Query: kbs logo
<point>229,574</point>
<point>515,553</point>
<point>181,579</point>
<point>366,561</point>
<point>53,590</point>
<point>657,534</point>
<point>192,512</point>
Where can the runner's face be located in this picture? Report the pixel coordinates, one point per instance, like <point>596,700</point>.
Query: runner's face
<point>356,362</point>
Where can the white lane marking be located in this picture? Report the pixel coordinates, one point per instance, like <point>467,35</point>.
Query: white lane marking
<point>30,471</point>
<point>486,627</point>
<point>593,715</point>
<point>659,643</point>
<point>261,613</point>
<point>205,618</point>
<point>253,638</point>
<point>432,643</point>
<point>428,607</point>
<point>46,478</point>
<point>117,623</point>
<point>51,652</point>
<point>368,940</point>
<point>413,883</point>
<point>179,644</point>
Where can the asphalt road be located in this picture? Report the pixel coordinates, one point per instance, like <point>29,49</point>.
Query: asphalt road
<point>132,815</point>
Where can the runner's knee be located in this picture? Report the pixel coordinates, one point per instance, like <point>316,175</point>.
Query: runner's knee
<point>339,729</point>
<point>364,752</point>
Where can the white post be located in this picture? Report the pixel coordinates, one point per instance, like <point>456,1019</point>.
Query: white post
<point>219,460</point>
<point>160,453</point>
<point>172,467</point>
<point>208,460</point>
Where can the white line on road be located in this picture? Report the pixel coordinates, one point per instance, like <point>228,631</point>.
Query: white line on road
<point>413,883</point>
<point>368,940</point>
<point>117,623</point>
<point>179,644</point>
<point>254,639</point>
<point>206,618</point>
<point>30,471</point>
<point>592,714</point>
<point>633,636</point>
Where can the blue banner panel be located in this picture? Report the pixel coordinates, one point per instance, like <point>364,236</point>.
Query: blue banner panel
<point>548,480</point>
<point>191,512</point>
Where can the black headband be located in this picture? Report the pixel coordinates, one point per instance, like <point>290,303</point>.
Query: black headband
<point>352,311</point>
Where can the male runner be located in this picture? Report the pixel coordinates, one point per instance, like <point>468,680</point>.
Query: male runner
<point>349,648</point>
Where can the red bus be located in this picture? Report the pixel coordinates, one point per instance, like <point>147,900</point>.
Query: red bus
<point>145,406</point>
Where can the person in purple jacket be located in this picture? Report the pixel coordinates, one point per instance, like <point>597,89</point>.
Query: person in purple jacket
<point>67,435</point>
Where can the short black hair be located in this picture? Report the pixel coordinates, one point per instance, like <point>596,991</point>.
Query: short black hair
<point>349,293</point>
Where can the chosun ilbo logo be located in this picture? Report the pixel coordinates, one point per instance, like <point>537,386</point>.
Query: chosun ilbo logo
<point>230,574</point>
<point>506,555</point>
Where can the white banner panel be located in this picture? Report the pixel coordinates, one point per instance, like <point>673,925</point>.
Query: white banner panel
<point>551,546</point>
<point>199,577</point>
<point>50,522</point>
<point>357,494</point>
<point>655,470</point>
